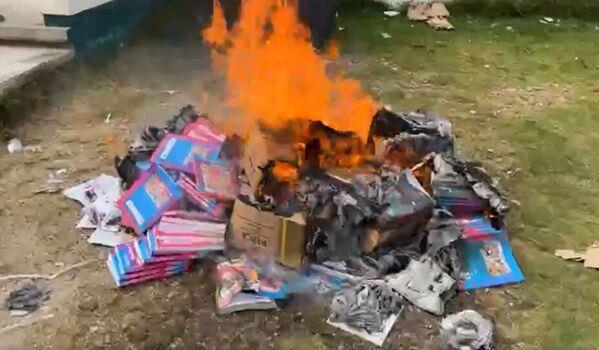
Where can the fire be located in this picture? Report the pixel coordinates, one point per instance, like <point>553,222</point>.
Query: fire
<point>273,75</point>
<point>284,171</point>
<point>217,33</point>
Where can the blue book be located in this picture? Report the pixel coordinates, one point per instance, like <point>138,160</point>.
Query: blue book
<point>149,197</point>
<point>151,272</point>
<point>178,152</point>
<point>488,262</point>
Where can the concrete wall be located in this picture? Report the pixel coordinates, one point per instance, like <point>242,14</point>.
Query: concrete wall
<point>22,12</point>
<point>29,12</point>
<point>69,7</point>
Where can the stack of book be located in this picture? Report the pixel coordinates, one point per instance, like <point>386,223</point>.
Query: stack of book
<point>177,207</point>
<point>174,235</point>
<point>167,250</point>
<point>131,263</point>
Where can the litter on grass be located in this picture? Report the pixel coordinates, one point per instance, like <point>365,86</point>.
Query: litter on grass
<point>467,330</point>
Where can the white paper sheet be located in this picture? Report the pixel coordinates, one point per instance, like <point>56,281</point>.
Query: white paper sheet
<point>109,238</point>
<point>98,197</point>
<point>376,338</point>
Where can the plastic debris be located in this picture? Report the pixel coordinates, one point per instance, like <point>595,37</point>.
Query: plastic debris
<point>14,146</point>
<point>467,330</point>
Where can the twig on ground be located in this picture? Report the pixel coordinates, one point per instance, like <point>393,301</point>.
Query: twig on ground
<point>26,322</point>
<point>47,277</point>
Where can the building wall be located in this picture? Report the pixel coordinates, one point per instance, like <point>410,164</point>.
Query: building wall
<point>21,12</point>
<point>69,7</point>
<point>29,12</point>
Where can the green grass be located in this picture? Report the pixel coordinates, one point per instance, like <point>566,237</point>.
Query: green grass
<point>523,97</point>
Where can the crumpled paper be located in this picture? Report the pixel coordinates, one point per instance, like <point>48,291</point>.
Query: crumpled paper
<point>467,330</point>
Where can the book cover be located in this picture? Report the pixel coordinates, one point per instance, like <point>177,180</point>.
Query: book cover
<point>217,180</point>
<point>488,262</point>
<point>204,131</point>
<point>177,152</point>
<point>148,198</point>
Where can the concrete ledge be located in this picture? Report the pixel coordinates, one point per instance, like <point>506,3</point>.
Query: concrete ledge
<point>21,64</point>
<point>69,7</point>
<point>38,34</point>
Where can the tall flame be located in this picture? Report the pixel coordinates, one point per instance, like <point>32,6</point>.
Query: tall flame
<point>273,74</point>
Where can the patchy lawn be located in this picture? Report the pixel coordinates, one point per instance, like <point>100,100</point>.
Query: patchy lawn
<point>524,98</point>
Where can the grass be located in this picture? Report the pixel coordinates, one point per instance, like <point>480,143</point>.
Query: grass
<point>524,98</point>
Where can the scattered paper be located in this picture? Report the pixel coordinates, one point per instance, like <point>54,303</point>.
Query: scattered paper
<point>98,197</point>
<point>104,185</point>
<point>33,149</point>
<point>386,35</point>
<point>19,313</point>
<point>376,338</point>
<point>391,13</point>
<point>592,256</point>
<point>568,254</point>
<point>109,238</point>
<point>86,222</point>
<point>54,182</point>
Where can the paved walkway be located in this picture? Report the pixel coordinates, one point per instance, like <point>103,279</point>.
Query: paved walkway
<point>20,64</point>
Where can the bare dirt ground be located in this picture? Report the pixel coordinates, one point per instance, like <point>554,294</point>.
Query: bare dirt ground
<point>144,86</point>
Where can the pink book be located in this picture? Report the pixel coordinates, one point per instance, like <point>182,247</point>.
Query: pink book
<point>204,131</point>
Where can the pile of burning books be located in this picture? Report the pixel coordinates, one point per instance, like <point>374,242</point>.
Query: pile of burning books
<point>313,210</point>
<point>176,200</point>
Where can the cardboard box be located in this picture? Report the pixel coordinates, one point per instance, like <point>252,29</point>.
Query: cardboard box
<point>255,155</point>
<point>258,151</point>
<point>282,238</point>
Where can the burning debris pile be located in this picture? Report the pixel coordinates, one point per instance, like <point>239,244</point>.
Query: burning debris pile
<point>324,194</point>
<point>395,218</point>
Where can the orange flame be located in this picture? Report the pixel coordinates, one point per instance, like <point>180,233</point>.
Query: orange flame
<point>217,33</point>
<point>273,74</point>
<point>284,171</point>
